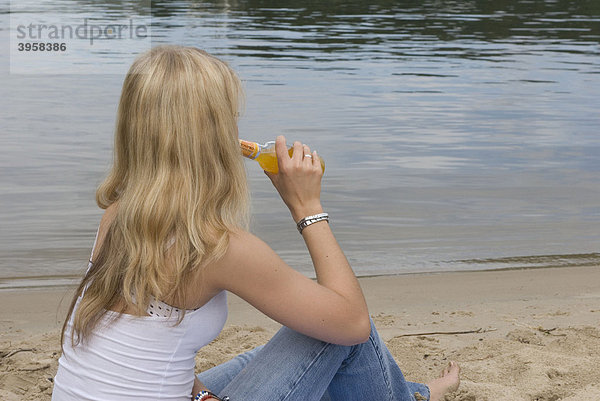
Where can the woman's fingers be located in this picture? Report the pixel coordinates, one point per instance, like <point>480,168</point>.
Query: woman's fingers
<point>316,160</point>
<point>301,153</point>
<point>307,156</point>
<point>281,151</point>
<point>297,155</point>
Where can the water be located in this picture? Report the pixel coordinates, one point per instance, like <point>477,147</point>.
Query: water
<point>457,135</point>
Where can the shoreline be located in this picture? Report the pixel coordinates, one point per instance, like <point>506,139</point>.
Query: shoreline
<point>65,282</point>
<point>525,334</point>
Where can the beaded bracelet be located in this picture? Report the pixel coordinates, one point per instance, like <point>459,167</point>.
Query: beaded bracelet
<point>205,395</point>
<point>308,220</point>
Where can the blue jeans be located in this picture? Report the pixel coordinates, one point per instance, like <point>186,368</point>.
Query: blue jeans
<point>295,367</point>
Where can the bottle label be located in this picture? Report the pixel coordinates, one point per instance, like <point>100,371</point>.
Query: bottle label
<point>251,150</point>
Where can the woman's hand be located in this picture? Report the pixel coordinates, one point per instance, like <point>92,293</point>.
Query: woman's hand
<point>299,179</point>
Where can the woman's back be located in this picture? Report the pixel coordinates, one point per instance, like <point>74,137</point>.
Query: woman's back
<point>138,357</point>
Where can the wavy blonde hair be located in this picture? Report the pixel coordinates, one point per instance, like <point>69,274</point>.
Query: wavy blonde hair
<point>177,173</point>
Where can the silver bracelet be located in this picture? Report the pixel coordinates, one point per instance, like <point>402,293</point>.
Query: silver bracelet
<point>308,220</point>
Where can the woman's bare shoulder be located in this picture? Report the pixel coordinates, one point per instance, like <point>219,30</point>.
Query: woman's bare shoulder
<point>243,248</point>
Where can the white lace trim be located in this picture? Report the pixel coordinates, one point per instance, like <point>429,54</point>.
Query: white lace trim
<point>161,309</point>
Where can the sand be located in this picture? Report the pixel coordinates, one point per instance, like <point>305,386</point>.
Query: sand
<point>530,335</point>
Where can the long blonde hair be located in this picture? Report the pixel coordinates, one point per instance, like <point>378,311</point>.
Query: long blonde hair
<point>177,173</point>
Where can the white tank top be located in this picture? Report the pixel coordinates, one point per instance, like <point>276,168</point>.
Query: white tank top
<point>137,357</point>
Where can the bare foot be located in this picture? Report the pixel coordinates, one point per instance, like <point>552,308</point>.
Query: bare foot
<point>447,382</point>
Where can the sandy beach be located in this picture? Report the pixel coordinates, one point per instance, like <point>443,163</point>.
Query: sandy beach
<point>519,335</point>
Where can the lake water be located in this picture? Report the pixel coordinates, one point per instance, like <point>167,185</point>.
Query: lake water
<point>457,135</point>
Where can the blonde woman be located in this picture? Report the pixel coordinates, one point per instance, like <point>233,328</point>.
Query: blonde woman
<point>173,240</point>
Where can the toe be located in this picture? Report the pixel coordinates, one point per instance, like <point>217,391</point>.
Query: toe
<point>455,366</point>
<point>445,371</point>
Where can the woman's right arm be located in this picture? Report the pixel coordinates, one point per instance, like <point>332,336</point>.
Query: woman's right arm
<point>333,308</point>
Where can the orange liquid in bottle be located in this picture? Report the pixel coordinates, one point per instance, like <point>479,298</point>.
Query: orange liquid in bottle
<point>265,155</point>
